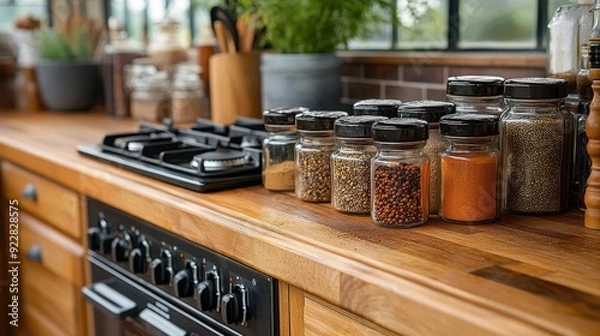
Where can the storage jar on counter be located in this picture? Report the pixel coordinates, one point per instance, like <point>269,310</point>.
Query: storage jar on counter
<point>476,94</point>
<point>313,154</point>
<point>536,146</point>
<point>188,101</point>
<point>469,168</point>
<point>430,111</point>
<point>378,107</point>
<point>150,98</point>
<point>351,164</point>
<point>278,149</point>
<point>400,173</point>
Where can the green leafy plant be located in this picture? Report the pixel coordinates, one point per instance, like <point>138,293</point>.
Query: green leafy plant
<point>58,46</point>
<point>316,26</point>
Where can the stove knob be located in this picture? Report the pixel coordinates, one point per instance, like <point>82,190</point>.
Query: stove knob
<point>182,283</point>
<point>119,249</point>
<point>94,238</point>
<point>136,261</point>
<point>207,298</point>
<point>235,305</point>
<point>158,272</point>
<point>106,243</point>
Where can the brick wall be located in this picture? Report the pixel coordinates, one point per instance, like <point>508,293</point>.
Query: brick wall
<point>406,81</point>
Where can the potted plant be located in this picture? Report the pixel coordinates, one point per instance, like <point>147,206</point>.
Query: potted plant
<point>302,69</point>
<point>67,75</point>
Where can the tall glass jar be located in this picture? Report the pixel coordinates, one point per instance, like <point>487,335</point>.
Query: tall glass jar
<point>313,154</point>
<point>430,111</point>
<point>150,98</point>
<point>400,173</point>
<point>377,107</point>
<point>535,146</point>
<point>469,168</point>
<point>476,94</point>
<point>278,149</point>
<point>351,164</point>
<point>188,101</point>
<point>167,47</point>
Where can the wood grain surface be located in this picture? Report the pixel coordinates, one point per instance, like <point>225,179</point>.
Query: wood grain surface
<point>522,275</point>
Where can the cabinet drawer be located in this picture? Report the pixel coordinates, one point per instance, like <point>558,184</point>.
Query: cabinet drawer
<point>56,253</point>
<point>55,204</point>
<point>321,318</point>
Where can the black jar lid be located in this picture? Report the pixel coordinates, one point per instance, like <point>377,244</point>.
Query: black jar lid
<point>475,86</point>
<point>355,126</point>
<point>469,125</point>
<point>318,120</point>
<point>282,115</point>
<point>400,130</point>
<point>594,55</point>
<point>535,88</point>
<point>428,110</point>
<point>379,107</point>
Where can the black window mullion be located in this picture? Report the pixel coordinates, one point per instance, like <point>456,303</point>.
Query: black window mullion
<point>542,22</point>
<point>453,24</point>
<point>395,26</point>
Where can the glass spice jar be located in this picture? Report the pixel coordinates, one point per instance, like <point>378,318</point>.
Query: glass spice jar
<point>476,94</point>
<point>150,97</point>
<point>351,164</point>
<point>430,111</point>
<point>187,98</point>
<point>400,173</point>
<point>377,107</point>
<point>313,154</point>
<point>536,146</point>
<point>278,148</point>
<point>469,168</point>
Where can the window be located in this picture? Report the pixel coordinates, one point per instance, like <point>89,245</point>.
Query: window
<point>12,9</point>
<point>466,25</point>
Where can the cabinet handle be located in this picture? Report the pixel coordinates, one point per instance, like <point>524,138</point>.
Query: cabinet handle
<point>35,253</point>
<point>30,192</point>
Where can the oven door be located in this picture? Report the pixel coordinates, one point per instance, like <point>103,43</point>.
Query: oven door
<point>123,307</point>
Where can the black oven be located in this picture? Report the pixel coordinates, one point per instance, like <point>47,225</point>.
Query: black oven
<point>147,281</point>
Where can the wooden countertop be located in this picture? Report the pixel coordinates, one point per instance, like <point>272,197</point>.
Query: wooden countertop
<point>522,275</point>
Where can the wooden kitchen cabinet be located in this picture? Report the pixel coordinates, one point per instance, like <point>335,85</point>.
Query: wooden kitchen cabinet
<point>51,253</point>
<point>311,316</point>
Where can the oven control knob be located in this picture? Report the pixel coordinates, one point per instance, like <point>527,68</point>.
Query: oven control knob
<point>207,295</point>
<point>234,306</point>
<point>182,283</point>
<point>159,273</point>
<point>136,261</point>
<point>94,238</point>
<point>119,249</point>
<point>106,243</point>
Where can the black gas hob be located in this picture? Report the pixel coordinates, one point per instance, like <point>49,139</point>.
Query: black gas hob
<point>204,157</point>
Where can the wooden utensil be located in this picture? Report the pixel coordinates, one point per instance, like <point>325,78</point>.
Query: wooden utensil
<point>220,33</point>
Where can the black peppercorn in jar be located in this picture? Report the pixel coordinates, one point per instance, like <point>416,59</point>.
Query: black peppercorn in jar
<point>351,164</point>
<point>400,173</point>
<point>430,111</point>
<point>536,146</point>
<point>377,107</point>
<point>278,149</point>
<point>313,154</point>
<point>476,94</point>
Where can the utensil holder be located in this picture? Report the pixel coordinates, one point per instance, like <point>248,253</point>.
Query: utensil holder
<point>234,86</point>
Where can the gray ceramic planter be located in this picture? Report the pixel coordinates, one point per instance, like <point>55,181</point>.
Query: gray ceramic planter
<point>68,85</point>
<point>309,80</point>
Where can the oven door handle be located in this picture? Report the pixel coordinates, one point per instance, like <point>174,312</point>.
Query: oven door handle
<point>108,299</point>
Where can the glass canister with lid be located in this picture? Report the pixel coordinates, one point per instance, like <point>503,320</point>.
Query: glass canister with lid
<point>536,146</point>
<point>313,154</point>
<point>400,173</point>
<point>377,107</point>
<point>167,47</point>
<point>430,111</point>
<point>469,168</point>
<point>278,149</point>
<point>187,98</point>
<point>476,94</point>
<point>150,98</point>
<point>351,164</point>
